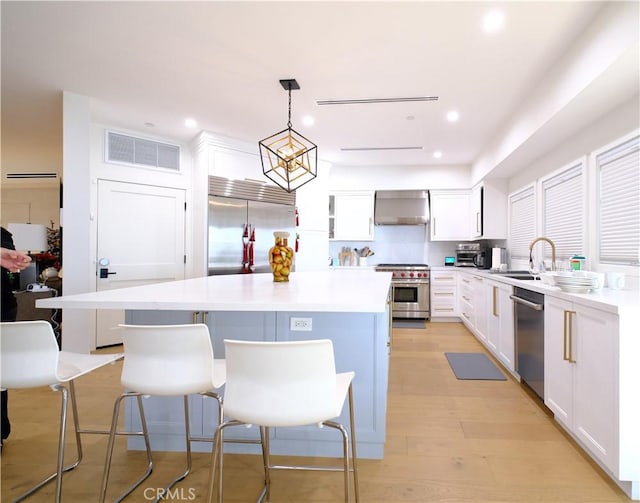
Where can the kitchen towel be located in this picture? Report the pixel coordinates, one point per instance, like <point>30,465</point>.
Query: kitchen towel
<point>474,366</point>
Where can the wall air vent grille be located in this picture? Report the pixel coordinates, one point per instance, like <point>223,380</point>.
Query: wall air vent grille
<point>32,176</point>
<point>127,149</point>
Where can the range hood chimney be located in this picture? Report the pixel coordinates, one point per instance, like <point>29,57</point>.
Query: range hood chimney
<point>401,207</point>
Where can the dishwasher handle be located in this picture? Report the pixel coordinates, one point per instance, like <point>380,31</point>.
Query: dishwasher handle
<point>532,305</point>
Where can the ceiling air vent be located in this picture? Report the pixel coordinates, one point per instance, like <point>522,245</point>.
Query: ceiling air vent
<point>127,149</point>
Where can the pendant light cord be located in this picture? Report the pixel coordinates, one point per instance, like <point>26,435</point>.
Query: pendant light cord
<point>289,122</point>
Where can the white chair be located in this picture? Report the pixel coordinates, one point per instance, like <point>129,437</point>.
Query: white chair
<point>165,360</point>
<point>30,358</point>
<point>279,384</point>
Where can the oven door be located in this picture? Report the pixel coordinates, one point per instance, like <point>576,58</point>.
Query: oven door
<point>410,300</point>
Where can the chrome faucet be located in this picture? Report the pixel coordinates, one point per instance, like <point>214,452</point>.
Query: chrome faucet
<point>553,252</point>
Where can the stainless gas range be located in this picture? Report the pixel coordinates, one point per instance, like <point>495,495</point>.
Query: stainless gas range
<point>410,284</point>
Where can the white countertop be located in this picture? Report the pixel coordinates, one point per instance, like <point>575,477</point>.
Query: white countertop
<point>614,301</point>
<point>352,290</point>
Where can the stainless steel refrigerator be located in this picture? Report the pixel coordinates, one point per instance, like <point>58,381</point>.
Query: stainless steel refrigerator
<point>242,218</point>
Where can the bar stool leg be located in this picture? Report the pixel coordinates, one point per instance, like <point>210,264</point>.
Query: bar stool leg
<point>60,469</point>
<point>61,439</point>
<point>187,436</point>
<point>354,455</point>
<point>265,495</point>
<point>112,436</point>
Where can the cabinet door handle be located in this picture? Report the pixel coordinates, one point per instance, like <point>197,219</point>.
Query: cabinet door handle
<point>434,225</point>
<point>567,353</point>
<point>495,301</point>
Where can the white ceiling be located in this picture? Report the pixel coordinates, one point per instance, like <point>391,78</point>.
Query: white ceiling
<point>220,63</point>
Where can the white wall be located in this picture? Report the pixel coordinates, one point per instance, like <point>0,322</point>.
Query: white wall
<point>76,244</point>
<point>606,129</point>
<point>604,58</point>
<point>394,177</point>
<point>36,205</point>
<point>83,165</point>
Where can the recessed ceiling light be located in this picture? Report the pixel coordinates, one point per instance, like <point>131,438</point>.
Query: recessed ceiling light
<point>453,116</point>
<point>307,120</point>
<point>191,123</point>
<point>437,154</point>
<point>493,21</point>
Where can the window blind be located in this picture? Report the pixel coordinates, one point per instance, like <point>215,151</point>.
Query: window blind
<point>522,208</point>
<point>619,204</point>
<point>563,213</point>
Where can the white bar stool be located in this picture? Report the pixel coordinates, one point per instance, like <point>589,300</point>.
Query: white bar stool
<point>165,360</point>
<point>30,358</point>
<point>279,384</point>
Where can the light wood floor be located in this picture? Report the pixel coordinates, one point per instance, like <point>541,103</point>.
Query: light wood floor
<point>447,441</point>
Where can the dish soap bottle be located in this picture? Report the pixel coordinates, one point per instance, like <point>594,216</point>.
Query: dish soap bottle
<point>577,263</point>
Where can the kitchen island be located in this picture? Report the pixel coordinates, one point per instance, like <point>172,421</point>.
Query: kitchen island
<point>349,307</point>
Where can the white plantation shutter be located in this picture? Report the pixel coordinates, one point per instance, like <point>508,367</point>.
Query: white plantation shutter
<point>619,204</point>
<point>522,210</point>
<point>563,212</point>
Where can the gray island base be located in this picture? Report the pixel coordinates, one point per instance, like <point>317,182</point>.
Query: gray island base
<point>360,345</point>
<point>351,308</point>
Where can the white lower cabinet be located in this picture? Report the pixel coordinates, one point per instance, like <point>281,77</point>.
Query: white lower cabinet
<point>500,333</point>
<point>591,367</point>
<point>465,300</point>
<point>486,309</point>
<point>443,285</point>
<point>480,306</point>
<point>581,379</point>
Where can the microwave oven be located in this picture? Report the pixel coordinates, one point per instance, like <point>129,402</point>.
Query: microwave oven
<point>466,254</point>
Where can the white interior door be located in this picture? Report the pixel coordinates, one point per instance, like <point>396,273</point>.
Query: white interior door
<point>141,240</point>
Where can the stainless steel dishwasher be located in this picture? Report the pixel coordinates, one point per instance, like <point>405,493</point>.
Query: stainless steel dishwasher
<point>529,325</point>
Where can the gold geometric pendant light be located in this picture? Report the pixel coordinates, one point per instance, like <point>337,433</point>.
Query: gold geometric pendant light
<point>288,158</point>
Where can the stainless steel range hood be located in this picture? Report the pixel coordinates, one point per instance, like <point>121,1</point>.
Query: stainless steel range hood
<point>401,207</point>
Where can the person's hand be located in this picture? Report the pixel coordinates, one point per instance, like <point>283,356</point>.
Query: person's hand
<point>14,260</point>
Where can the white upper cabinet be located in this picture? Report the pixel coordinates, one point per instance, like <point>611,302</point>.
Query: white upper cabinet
<point>449,215</point>
<point>351,216</point>
<point>488,213</point>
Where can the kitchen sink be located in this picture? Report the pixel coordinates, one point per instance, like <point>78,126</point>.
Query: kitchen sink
<point>525,275</point>
<point>521,276</point>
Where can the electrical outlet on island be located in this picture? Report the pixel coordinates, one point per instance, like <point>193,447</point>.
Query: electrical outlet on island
<point>300,324</point>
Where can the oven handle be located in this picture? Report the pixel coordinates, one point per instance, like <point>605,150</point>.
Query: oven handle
<point>409,284</point>
<point>532,305</point>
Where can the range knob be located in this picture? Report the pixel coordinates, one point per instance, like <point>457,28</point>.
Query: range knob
<point>411,275</point>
